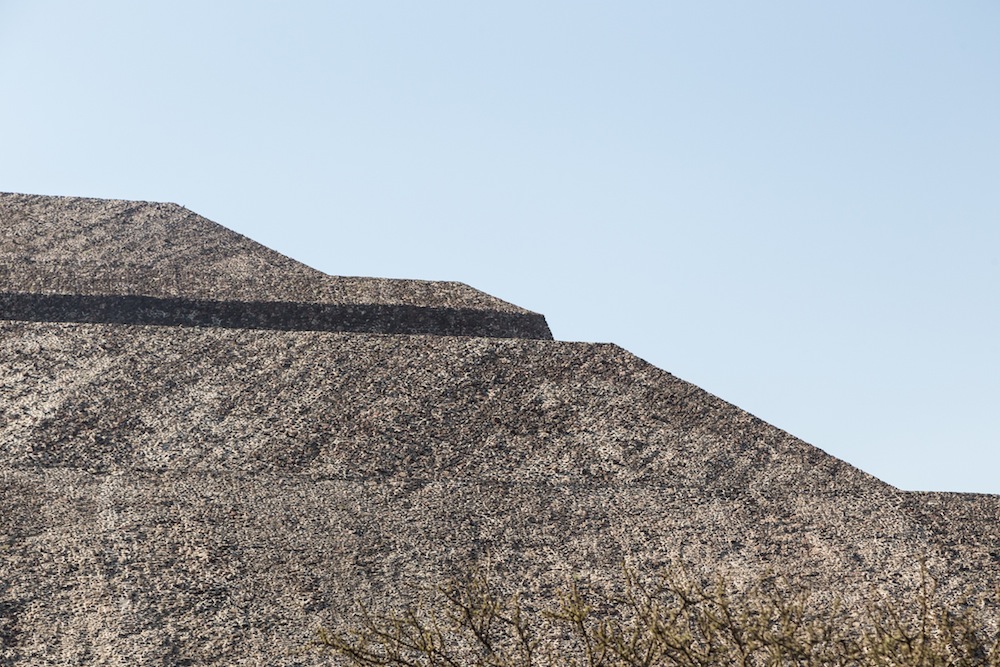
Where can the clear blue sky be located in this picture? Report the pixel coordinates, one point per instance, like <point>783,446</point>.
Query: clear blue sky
<point>795,205</point>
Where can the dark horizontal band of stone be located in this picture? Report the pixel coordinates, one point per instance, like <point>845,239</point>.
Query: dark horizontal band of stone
<point>278,315</point>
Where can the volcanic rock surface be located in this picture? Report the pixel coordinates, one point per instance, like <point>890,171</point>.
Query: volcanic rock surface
<point>176,493</point>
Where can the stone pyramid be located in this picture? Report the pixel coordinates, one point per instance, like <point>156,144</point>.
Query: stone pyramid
<point>208,449</point>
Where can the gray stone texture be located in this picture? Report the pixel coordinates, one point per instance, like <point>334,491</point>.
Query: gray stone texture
<point>210,495</point>
<point>97,260</point>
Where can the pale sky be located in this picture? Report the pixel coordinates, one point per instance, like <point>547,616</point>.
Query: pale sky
<point>794,205</point>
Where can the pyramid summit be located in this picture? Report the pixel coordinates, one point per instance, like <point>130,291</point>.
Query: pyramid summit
<point>93,260</point>
<point>192,475</point>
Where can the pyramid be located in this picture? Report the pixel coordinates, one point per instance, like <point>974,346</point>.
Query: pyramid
<point>208,450</point>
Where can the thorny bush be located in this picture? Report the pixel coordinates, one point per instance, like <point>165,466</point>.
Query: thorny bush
<point>670,621</point>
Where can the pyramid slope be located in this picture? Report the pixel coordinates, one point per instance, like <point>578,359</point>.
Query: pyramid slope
<point>214,494</point>
<point>210,489</point>
<point>96,260</point>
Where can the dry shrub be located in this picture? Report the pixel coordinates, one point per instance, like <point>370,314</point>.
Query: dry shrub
<point>669,621</point>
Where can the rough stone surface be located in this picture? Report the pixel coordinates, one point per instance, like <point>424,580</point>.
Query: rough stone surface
<point>99,260</point>
<point>209,496</point>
